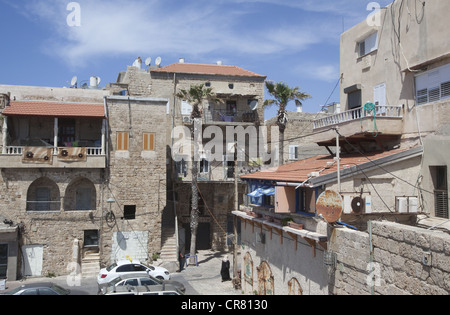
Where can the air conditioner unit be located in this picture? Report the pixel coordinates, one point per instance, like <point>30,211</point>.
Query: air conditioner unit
<point>187,119</point>
<point>406,204</point>
<point>357,204</point>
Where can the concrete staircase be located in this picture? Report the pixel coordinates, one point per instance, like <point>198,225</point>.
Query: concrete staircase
<point>169,254</point>
<point>90,265</point>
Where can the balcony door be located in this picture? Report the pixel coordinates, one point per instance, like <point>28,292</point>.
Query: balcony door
<point>67,132</point>
<point>379,94</point>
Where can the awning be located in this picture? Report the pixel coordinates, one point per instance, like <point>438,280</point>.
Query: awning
<point>267,191</point>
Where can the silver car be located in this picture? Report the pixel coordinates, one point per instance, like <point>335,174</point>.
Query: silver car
<point>141,279</point>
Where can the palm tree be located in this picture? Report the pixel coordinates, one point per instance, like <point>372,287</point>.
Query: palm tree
<point>282,95</point>
<point>195,96</point>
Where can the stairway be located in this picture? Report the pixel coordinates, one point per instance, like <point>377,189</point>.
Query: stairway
<point>90,265</point>
<point>169,254</point>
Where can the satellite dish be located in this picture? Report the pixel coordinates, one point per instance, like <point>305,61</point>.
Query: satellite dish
<point>253,104</point>
<point>148,61</point>
<point>330,206</point>
<point>74,81</point>
<point>99,80</point>
<point>158,61</point>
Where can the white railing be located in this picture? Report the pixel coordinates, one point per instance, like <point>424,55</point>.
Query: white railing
<point>94,151</point>
<point>14,150</point>
<point>359,113</point>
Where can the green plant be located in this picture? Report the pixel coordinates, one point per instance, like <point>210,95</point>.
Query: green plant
<point>284,222</point>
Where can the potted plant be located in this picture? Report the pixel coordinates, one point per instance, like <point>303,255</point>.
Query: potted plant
<point>295,225</point>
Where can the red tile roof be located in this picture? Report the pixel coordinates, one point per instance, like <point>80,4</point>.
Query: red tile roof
<point>54,109</point>
<point>298,171</point>
<point>197,68</point>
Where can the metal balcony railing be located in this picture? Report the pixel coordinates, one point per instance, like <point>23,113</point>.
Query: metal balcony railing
<point>211,116</point>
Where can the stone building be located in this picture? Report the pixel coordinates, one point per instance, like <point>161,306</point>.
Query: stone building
<point>83,179</point>
<point>373,219</point>
<point>240,96</point>
<point>298,144</point>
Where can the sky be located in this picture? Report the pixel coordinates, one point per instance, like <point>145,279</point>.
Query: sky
<point>47,42</point>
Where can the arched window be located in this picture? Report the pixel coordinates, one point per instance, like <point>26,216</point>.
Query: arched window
<point>43,195</point>
<point>80,195</point>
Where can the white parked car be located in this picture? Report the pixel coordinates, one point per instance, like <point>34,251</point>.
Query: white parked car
<point>126,267</point>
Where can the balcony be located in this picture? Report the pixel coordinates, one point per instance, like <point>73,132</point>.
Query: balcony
<point>360,123</point>
<point>230,117</point>
<point>49,157</point>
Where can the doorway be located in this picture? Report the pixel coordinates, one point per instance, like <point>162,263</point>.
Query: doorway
<point>33,256</point>
<point>3,261</point>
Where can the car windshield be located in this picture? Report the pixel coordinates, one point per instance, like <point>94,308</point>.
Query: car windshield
<point>111,267</point>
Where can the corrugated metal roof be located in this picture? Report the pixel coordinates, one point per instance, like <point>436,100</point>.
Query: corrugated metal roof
<point>324,164</point>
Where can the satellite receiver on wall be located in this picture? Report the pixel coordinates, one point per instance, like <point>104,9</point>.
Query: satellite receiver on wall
<point>158,61</point>
<point>253,105</point>
<point>329,206</point>
<point>73,83</point>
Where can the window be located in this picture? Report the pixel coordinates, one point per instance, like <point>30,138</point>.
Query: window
<point>379,94</point>
<point>439,176</point>
<point>368,45</point>
<point>149,141</point>
<point>129,212</point>
<point>91,238</point>
<point>231,108</point>
<point>3,260</point>
<point>122,141</point>
<point>433,85</point>
<point>293,152</point>
<point>83,199</point>
<point>66,132</point>
<point>42,199</point>
<point>204,165</point>
<point>181,167</point>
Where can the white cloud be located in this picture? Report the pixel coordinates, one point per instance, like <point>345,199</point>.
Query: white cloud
<point>191,28</point>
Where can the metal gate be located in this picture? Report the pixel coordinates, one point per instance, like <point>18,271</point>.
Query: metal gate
<point>294,287</point>
<point>33,258</point>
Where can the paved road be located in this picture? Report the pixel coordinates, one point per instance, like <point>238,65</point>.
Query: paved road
<point>203,279</point>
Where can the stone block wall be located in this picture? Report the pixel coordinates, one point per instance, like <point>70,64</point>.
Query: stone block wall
<point>406,260</point>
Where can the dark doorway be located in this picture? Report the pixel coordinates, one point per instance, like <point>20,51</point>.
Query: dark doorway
<point>203,236</point>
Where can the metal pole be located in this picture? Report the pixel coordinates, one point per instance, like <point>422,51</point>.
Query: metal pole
<point>236,208</point>
<point>338,159</point>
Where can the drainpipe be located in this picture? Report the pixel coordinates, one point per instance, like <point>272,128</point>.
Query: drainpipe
<point>5,134</point>
<point>173,173</point>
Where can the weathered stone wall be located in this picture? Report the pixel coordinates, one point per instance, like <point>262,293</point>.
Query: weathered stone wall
<point>136,177</point>
<point>55,230</point>
<point>406,260</point>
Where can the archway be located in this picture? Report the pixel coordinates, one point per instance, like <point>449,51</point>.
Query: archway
<point>80,195</point>
<point>43,195</point>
